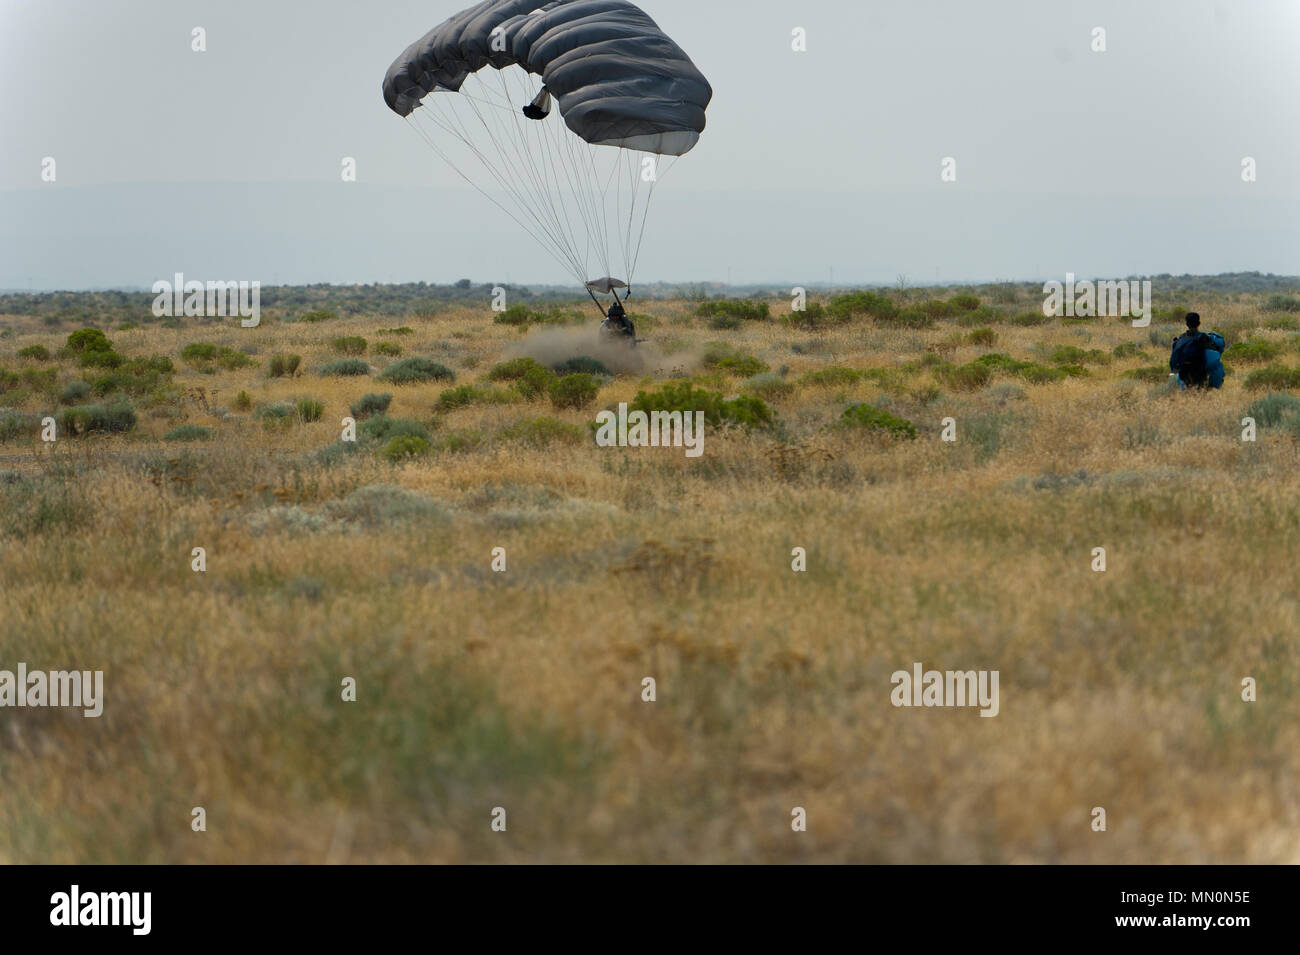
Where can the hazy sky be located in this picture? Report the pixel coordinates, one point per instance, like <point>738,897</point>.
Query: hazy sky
<point>226,163</point>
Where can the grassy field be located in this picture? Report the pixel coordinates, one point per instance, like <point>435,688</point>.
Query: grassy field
<point>523,690</point>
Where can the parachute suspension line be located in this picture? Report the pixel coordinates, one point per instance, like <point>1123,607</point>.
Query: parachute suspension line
<point>520,187</point>
<point>546,174</point>
<point>645,211</point>
<point>543,239</point>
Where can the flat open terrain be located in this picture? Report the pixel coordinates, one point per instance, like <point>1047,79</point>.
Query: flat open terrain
<point>476,689</point>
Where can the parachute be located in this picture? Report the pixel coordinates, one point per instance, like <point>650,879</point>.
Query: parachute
<point>629,97</point>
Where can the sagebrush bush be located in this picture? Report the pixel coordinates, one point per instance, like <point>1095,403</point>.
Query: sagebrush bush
<point>383,428</point>
<point>412,371</point>
<point>75,392</point>
<point>580,365</point>
<point>1270,410</point>
<point>35,353</point>
<point>345,368</point>
<point>369,405</point>
<point>388,349</point>
<point>769,386</point>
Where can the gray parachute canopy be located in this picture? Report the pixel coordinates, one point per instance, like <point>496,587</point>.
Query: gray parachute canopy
<point>619,80</point>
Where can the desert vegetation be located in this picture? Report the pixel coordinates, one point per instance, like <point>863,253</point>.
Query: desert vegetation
<point>372,560</point>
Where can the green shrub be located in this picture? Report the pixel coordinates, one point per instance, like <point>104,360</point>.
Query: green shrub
<point>17,386</point>
<point>834,376</point>
<point>580,365</point>
<point>1270,410</point>
<point>75,392</point>
<point>521,316</point>
<point>396,331</point>
<point>309,409</point>
<point>383,428</point>
<point>843,308</point>
<point>1128,350</point>
<point>746,411</point>
<point>1030,319</point>
<point>345,368</point>
<point>1282,303</point>
<point>1273,378</point>
<point>405,447</point>
<point>513,370</point>
<point>199,352</point>
<point>349,345</point>
<point>204,356</point>
<point>874,419</point>
<point>461,441</point>
<point>769,386</point>
<point>743,310</point>
<point>17,424</point>
<point>88,340</point>
<point>723,357</point>
<point>243,402</point>
<point>534,384</point>
<point>965,302</point>
<point>368,406</point>
<point>35,352</point>
<point>1073,355</point>
<point>1154,374</point>
<point>277,415</point>
<point>969,377</point>
<point>908,318</point>
<point>541,432</point>
<point>284,366</point>
<point>1250,353</point>
<point>189,432</point>
<point>388,349</point>
<point>101,359</point>
<point>411,371</point>
<point>318,316</point>
<point>84,419</point>
<point>460,397</point>
<point>574,391</point>
<point>983,337</point>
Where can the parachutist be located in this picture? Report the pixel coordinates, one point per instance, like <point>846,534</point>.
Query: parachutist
<point>617,324</point>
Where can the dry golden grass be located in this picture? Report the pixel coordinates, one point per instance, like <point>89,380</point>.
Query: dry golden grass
<point>522,690</point>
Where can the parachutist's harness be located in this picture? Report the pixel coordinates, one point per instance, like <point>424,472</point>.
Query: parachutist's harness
<point>616,323</point>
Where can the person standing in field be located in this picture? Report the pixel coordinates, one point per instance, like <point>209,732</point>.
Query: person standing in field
<point>1196,357</point>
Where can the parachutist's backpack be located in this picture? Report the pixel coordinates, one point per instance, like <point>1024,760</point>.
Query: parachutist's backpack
<point>1188,358</point>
